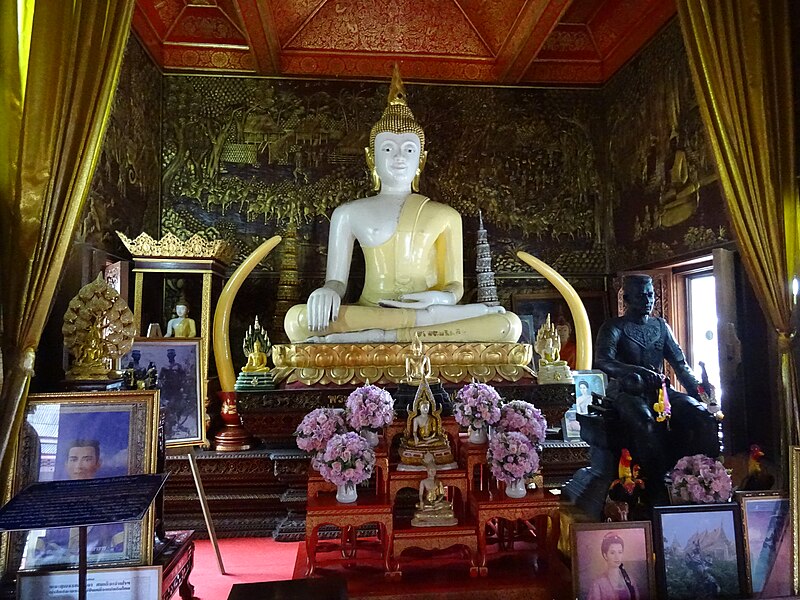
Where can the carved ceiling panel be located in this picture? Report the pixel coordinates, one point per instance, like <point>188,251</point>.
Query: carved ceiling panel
<point>529,42</point>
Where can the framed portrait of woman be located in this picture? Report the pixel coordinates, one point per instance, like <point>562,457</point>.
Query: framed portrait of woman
<point>612,561</point>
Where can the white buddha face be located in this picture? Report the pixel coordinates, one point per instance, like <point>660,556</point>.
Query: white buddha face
<point>396,159</point>
<point>181,310</point>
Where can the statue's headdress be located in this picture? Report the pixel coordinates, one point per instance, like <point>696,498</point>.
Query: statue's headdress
<point>397,118</point>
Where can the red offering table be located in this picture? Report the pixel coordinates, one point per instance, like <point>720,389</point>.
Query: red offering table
<point>436,538</point>
<point>539,505</point>
<point>325,510</point>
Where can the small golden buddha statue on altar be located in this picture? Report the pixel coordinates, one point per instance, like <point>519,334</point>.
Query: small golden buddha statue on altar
<point>424,435</point>
<point>255,375</point>
<point>547,345</point>
<point>433,508</point>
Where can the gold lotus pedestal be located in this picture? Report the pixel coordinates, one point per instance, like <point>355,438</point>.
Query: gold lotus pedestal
<point>355,364</point>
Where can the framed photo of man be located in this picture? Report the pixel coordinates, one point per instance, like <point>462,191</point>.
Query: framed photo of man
<point>178,369</point>
<point>533,309</point>
<point>612,561</point>
<point>84,436</point>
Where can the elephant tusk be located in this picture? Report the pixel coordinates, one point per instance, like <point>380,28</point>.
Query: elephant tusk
<point>583,330</point>
<point>222,314</point>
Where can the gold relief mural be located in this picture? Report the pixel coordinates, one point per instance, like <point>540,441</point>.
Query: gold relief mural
<point>668,202</point>
<point>251,157</point>
<point>125,188</point>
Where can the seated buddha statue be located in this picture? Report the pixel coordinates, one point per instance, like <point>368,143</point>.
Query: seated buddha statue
<point>413,256</point>
<point>547,345</point>
<point>256,360</point>
<point>433,508</point>
<point>423,434</point>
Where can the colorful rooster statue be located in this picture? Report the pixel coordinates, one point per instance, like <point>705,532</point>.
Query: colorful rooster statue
<point>757,478</point>
<point>624,492</point>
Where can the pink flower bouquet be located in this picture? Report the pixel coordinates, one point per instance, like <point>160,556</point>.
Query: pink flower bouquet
<point>317,427</point>
<point>512,456</point>
<point>524,417</point>
<point>700,479</point>
<point>348,458</point>
<point>476,405</point>
<point>369,406</point>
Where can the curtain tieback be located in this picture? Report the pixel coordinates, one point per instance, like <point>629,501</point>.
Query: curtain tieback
<point>785,339</point>
<point>27,360</point>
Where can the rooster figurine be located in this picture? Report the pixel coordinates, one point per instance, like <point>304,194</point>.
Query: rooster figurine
<point>708,394</point>
<point>757,478</point>
<point>624,492</point>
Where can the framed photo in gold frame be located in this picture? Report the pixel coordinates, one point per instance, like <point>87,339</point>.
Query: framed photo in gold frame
<point>765,516</point>
<point>84,435</point>
<point>178,366</point>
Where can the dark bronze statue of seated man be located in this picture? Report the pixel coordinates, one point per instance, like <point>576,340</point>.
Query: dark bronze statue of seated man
<point>632,349</point>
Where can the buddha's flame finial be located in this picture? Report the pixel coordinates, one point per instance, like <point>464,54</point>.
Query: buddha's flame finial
<point>397,91</point>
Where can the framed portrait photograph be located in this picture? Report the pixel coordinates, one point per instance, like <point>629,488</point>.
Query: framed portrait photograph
<point>610,560</point>
<point>135,583</point>
<point>587,382</point>
<point>533,309</point>
<point>86,435</point>
<point>700,551</point>
<point>765,516</point>
<point>177,365</point>
<point>570,427</point>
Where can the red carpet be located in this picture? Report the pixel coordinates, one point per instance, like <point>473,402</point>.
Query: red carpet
<point>246,560</point>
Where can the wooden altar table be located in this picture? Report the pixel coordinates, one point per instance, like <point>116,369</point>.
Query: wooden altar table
<point>325,510</point>
<point>436,538</point>
<point>538,504</point>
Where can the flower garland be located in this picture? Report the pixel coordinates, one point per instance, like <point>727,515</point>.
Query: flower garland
<point>700,479</point>
<point>512,456</point>
<point>369,406</point>
<point>348,458</point>
<point>524,417</point>
<point>317,427</point>
<point>477,405</point>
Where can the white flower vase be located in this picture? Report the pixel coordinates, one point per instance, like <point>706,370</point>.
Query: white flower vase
<point>516,489</point>
<point>477,436</point>
<point>346,493</point>
<point>370,435</point>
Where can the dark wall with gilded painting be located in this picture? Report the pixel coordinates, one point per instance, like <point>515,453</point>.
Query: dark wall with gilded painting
<point>245,158</point>
<point>126,187</point>
<point>666,199</point>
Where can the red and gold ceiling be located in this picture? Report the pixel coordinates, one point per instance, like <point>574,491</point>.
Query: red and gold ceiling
<point>564,42</point>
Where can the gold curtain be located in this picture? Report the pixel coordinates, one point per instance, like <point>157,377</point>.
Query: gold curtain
<point>56,99</point>
<point>740,57</point>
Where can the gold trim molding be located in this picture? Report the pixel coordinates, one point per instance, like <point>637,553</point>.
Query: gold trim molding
<point>171,246</point>
<point>341,364</point>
